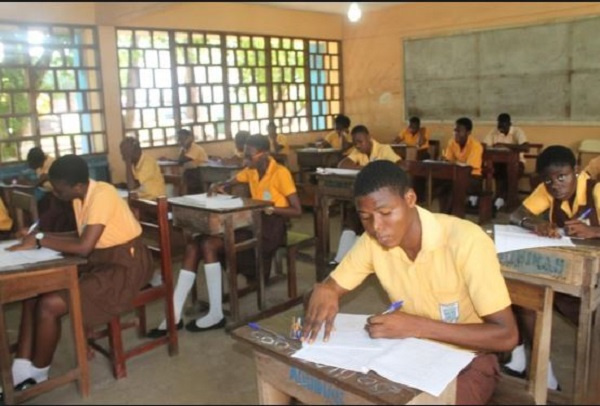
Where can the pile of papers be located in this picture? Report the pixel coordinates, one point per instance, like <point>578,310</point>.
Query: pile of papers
<point>338,171</point>
<point>10,259</point>
<point>218,201</point>
<point>425,365</point>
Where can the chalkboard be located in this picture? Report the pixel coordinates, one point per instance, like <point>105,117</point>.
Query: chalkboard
<point>536,73</point>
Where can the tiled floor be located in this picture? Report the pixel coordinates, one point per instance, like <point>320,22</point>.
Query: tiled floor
<point>212,368</point>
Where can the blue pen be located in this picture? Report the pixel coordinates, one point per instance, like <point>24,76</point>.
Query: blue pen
<point>585,214</point>
<point>256,326</point>
<point>394,306</point>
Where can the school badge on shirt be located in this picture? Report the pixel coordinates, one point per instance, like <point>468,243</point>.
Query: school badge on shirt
<point>267,195</point>
<point>449,312</point>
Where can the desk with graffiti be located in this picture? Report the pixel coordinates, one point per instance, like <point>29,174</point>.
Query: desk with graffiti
<point>575,272</point>
<point>281,377</point>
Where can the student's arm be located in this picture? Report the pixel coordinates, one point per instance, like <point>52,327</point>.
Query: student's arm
<point>322,307</point>
<point>182,158</point>
<point>522,217</point>
<point>294,208</point>
<point>221,187</point>
<point>347,163</point>
<point>576,228</point>
<point>132,182</point>
<point>82,246</point>
<point>498,332</point>
<point>42,179</point>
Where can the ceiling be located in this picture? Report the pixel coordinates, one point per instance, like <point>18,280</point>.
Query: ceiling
<point>328,6</point>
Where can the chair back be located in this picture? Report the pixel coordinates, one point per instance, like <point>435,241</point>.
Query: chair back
<point>24,209</point>
<point>176,183</point>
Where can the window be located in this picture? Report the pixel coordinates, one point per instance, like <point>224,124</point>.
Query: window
<point>50,91</point>
<point>217,84</point>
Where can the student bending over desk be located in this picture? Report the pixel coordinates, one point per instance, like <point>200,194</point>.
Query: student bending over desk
<point>340,137</point>
<point>366,150</point>
<point>572,201</point>
<point>237,158</point>
<point>445,269</point>
<point>142,171</point>
<point>118,266</point>
<point>416,136</point>
<point>268,180</point>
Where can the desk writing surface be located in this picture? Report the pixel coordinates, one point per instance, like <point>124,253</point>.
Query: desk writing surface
<point>54,263</point>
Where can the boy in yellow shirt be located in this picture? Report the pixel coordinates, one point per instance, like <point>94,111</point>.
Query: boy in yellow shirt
<point>268,180</point>
<point>416,136</point>
<point>444,269</point>
<point>190,156</point>
<point>142,171</point>
<point>339,138</point>
<point>118,266</point>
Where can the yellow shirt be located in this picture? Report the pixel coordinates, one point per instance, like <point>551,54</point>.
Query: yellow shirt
<point>379,152</point>
<point>593,168</point>
<point>6,222</point>
<point>103,205</point>
<point>472,154</point>
<point>43,170</point>
<point>411,139</point>
<point>197,154</point>
<point>540,199</point>
<point>335,140</point>
<point>275,186</point>
<point>152,182</point>
<point>281,140</point>
<point>515,136</point>
<point>455,278</point>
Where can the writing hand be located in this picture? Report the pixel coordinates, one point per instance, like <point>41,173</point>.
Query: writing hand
<point>393,325</point>
<point>216,188</point>
<point>547,230</point>
<point>577,228</point>
<point>322,308</point>
<point>27,243</point>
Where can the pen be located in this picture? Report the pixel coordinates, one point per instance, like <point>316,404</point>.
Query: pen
<point>585,214</point>
<point>33,226</point>
<point>256,326</point>
<point>394,306</point>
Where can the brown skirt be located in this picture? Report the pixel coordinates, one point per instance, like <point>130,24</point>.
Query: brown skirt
<point>111,279</point>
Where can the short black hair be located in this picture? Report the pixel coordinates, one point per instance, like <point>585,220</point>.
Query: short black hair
<point>504,118</point>
<point>241,137</point>
<point>359,129</point>
<point>415,120</point>
<point>35,157</point>
<point>557,155</point>
<point>183,133</point>
<point>465,122</point>
<point>272,124</point>
<point>342,120</point>
<point>71,169</point>
<point>260,142</point>
<point>380,174</point>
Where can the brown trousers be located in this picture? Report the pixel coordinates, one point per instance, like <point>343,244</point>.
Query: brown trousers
<point>476,382</point>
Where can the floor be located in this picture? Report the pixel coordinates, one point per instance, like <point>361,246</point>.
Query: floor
<point>212,368</point>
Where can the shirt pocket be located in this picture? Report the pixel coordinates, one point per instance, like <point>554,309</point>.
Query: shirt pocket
<point>448,305</point>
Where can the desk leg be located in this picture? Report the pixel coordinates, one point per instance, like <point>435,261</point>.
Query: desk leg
<point>78,334</point>
<point>257,219</point>
<point>324,239</point>
<point>231,264</point>
<point>5,364</point>
<point>267,393</point>
<point>595,361</point>
<point>512,172</point>
<point>583,348</point>
<point>319,250</point>
<point>459,194</point>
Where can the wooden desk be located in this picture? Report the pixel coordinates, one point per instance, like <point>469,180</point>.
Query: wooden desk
<point>510,158</point>
<point>458,174</point>
<point>576,272</point>
<point>194,218</point>
<point>170,167</point>
<point>216,172</point>
<point>281,377</point>
<point>329,187</point>
<point>405,152</point>
<point>22,282</point>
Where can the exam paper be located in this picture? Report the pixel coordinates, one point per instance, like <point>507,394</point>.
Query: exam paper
<point>338,171</point>
<point>14,258</point>
<point>512,238</point>
<point>211,202</point>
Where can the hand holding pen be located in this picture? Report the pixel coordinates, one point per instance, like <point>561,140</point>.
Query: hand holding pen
<point>581,229</point>
<point>394,324</point>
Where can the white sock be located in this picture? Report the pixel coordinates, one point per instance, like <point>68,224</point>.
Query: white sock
<point>40,374</point>
<point>21,370</point>
<point>518,361</point>
<point>185,281</point>
<point>473,200</point>
<point>347,240</point>
<point>552,381</point>
<point>499,203</point>
<point>215,295</point>
<point>156,278</point>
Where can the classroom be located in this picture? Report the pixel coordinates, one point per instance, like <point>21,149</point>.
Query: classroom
<point>239,162</point>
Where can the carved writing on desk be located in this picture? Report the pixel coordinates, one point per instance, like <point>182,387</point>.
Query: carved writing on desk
<point>531,262</point>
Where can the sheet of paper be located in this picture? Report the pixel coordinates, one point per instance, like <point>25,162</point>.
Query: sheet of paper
<point>14,258</point>
<point>338,171</point>
<point>348,332</point>
<point>212,202</point>
<point>512,238</point>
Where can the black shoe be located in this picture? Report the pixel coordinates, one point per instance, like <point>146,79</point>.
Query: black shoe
<point>512,372</point>
<point>157,333</point>
<point>191,326</point>
<point>27,383</point>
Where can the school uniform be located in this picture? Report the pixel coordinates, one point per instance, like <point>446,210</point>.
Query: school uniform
<point>120,264</point>
<point>593,168</point>
<point>43,170</point>
<point>455,278</point>
<point>412,140</point>
<point>378,152</point>
<point>335,140</point>
<point>281,140</point>
<point>191,175</point>
<point>197,154</point>
<point>6,222</point>
<point>152,182</point>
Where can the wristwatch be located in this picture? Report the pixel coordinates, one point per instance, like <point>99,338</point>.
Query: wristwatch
<point>269,210</point>
<point>38,240</point>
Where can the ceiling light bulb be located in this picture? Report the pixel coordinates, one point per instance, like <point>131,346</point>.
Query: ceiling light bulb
<point>354,12</point>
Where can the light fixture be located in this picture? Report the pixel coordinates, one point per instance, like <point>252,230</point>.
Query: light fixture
<point>354,12</point>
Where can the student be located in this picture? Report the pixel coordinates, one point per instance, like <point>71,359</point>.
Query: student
<point>55,215</point>
<point>415,136</point>
<point>566,196</point>
<point>142,171</point>
<point>506,135</point>
<point>267,180</point>
<point>339,138</point>
<point>278,142</point>
<point>237,158</point>
<point>593,168</point>
<point>118,266</point>
<point>6,222</point>
<point>366,150</point>
<point>462,149</point>
<point>191,154</point>
<point>445,270</point>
